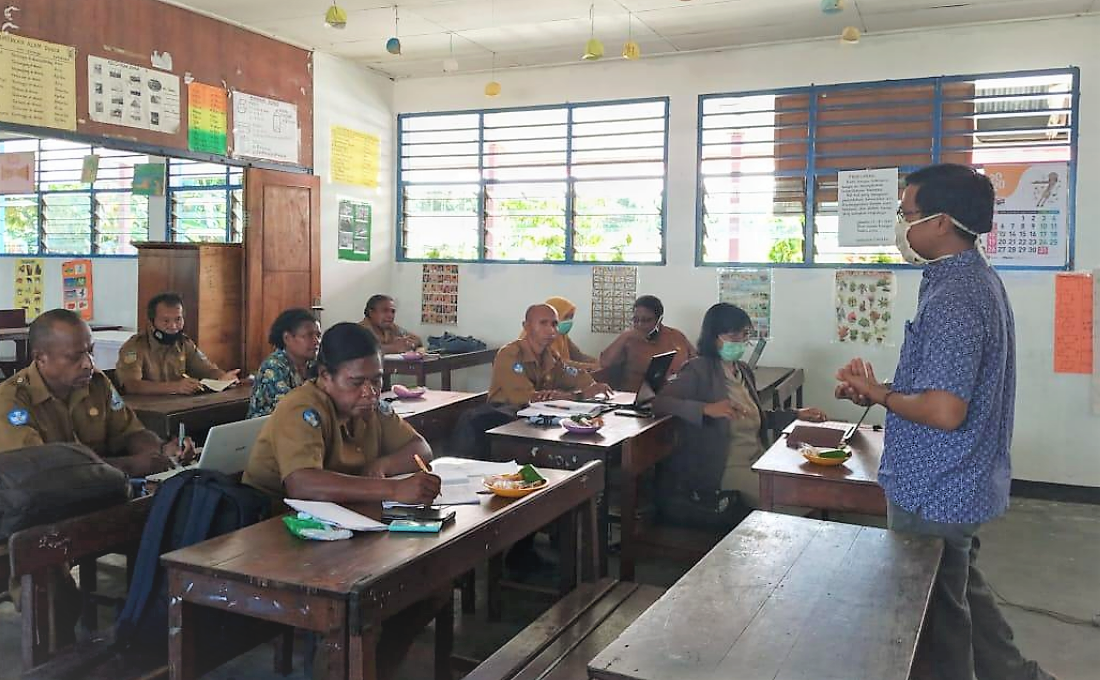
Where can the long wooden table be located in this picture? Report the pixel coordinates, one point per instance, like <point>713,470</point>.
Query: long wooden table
<point>442,365</point>
<point>786,478</point>
<point>786,597</point>
<point>435,414</point>
<point>636,443</point>
<point>198,412</point>
<point>344,590</point>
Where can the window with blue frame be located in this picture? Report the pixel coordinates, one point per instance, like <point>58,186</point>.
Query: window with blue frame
<point>204,202</point>
<point>569,183</point>
<point>769,161</point>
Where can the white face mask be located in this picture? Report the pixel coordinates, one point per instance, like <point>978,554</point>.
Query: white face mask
<point>901,238</point>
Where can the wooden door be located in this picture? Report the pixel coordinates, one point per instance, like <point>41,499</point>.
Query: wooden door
<point>282,240</point>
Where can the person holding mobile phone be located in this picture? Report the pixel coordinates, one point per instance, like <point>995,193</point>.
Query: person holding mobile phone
<point>627,357</point>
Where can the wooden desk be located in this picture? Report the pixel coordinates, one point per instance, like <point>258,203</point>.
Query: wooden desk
<point>786,478</point>
<point>443,366</point>
<point>786,597</point>
<point>20,336</point>
<point>777,385</point>
<point>343,590</point>
<point>198,412</point>
<point>435,414</point>
<point>639,443</point>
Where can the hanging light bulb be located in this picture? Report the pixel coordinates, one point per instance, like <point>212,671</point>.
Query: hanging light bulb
<point>336,17</point>
<point>850,35</point>
<point>393,45</point>
<point>492,88</point>
<point>832,6</point>
<point>593,49</point>
<point>631,49</point>
<point>450,64</point>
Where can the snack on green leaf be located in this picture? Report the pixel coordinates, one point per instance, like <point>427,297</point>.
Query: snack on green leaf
<point>832,453</point>
<point>530,474</point>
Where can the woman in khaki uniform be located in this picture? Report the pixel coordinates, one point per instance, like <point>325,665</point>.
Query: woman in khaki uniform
<point>333,440</point>
<point>723,425</point>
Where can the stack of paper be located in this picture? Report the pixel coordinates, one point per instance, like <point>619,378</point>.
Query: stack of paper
<point>461,479</point>
<point>217,385</point>
<point>336,515</point>
<point>560,408</point>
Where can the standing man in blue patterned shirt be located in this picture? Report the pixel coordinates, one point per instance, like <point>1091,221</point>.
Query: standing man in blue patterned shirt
<point>945,466</point>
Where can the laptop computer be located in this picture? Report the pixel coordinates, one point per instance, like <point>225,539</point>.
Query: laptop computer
<point>656,375</point>
<point>754,358</point>
<point>226,450</point>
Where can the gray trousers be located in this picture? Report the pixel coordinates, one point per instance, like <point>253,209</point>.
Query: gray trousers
<point>968,637</point>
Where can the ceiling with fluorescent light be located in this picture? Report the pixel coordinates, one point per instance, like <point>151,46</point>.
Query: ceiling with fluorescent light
<point>546,32</point>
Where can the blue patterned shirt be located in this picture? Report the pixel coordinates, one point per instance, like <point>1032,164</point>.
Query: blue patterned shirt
<point>275,378</point>
<point>963,341</point>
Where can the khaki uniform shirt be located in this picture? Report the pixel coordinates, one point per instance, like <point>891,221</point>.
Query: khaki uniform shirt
<point>305,433</point>
<point>518,374</point>
<point>639,352</point>
<point>143,357</point>
<point>385,337</point>
<point>95,416</point>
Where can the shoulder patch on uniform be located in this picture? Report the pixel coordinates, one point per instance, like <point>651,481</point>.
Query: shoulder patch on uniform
<point>385,408</point>
<point>312,417</point>
<point>129,357</point>
<point>116,400</point>
<point>18,417</point>
<point>572,371</point>
<point>517,367</point>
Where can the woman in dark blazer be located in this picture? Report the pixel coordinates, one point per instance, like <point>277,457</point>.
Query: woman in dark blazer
<point>723,427</point>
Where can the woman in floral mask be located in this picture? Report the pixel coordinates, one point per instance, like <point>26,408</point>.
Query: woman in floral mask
<point>723,425</point>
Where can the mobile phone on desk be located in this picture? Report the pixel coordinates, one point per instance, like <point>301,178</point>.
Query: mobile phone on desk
<point>418,526</point>
<point>431,514</point>
<point>634,414</point>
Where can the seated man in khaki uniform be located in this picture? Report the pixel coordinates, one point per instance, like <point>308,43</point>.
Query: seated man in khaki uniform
<point>379,318</point>
<point>60,397</point>
<point>528,370</point>
<point>333,440</point>
<point>163,360</point>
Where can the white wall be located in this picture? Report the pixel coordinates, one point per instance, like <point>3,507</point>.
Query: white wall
<point>1055,434</point>
<point>349,96</point>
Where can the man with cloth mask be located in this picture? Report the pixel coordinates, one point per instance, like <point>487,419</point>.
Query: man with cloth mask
<point>945,466</point>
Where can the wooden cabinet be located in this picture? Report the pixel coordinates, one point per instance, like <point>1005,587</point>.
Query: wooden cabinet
<point>210,278</point>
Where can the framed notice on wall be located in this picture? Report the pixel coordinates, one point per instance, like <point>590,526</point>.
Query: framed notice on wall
<point>1031,218</point>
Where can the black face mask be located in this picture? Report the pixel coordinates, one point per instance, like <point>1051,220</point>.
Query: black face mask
<point>166,338</point>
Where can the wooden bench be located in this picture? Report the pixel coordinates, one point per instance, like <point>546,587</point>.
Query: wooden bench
<point>559,644</point>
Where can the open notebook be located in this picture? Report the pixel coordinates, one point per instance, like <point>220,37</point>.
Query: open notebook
<point>461,480</point>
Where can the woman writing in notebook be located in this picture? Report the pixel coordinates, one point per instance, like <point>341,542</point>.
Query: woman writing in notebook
<point>332,439</point>
<point>723,425</point>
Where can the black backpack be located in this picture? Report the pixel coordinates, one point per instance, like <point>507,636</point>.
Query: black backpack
<point>188,508</point>
<point>48,483</point>
<point>449,343</point>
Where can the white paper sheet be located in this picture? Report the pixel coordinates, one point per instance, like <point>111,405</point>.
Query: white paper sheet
<point>336,515</point>
<point>560,408</point>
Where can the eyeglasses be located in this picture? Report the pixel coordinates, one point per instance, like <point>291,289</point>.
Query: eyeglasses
<point>906,214</point>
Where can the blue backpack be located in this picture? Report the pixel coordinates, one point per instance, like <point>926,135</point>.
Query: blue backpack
<point>188,508</point>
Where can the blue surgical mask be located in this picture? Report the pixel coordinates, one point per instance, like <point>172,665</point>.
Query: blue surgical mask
<point>731,351</point>
<point>565,326</point>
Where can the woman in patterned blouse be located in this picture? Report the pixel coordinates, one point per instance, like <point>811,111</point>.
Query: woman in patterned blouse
<point>296,336</point>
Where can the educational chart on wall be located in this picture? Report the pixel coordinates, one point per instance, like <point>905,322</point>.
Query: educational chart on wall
<point>864,306</point>
<point>613,293</point>
<point>1073,323</point>
<point>751,290</point>
<point>28,286</point>
<point>133,96</point>
<point>354,157</point>
<point>148,179</point>
<point>264,128</point>
<point>1030,222</point>
<point>354,230</point>
<point>207,118</point>
<point>867,206</point>
<point>439,294</point>
<point>17,172</point>
<point>37,83</point>
<point>76,287</point>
